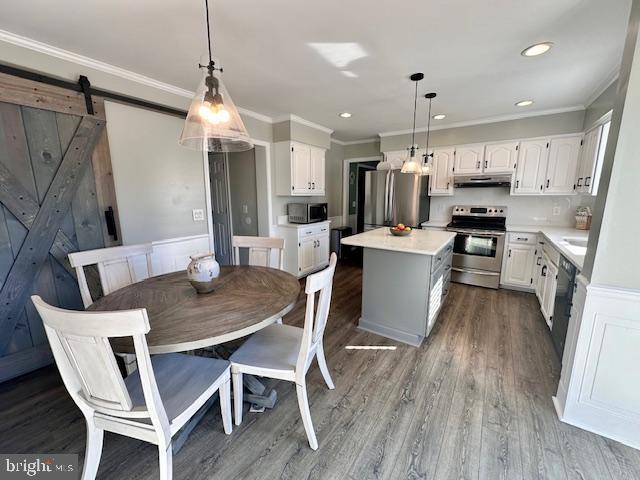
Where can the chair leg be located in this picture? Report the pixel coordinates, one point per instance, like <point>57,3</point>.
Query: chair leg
<point>225,406</point>
<point>237,396</point>
<point>93,451</point>
<point>303,404</point>
<point>322,363</point>
<point>166,462</point>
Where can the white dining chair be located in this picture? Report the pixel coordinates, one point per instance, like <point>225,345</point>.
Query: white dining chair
<point>285,352</point>
<point>117,269</point>
<point>260,249</point>
<point>150,405</point>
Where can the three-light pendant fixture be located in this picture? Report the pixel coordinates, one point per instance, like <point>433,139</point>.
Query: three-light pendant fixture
<point>213,122</point>
<point>413,164</point>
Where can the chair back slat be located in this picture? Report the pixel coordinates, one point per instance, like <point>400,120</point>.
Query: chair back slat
<point>260,250</point>
<point>316,319</point>
<point>116,267</point>
<point>80,345</point>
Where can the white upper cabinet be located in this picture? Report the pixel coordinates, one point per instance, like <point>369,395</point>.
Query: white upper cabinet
<point>469,159</point>
<point>531,167</point>
<point>591,157</point>
<point>500,157</point>
<point>317,171</point>
<point>563,162</point>
<point>441,181</point>
<point>300,169</point>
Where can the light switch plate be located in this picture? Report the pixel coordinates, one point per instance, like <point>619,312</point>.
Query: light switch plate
<point>198,215</point>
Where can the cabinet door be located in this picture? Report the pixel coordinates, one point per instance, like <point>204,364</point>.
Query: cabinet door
<point>441,181</point>
<point>468,159</point>
<point>300,168</point>
<point>588,156</point>
<point>531,166</point>
<point>321,253</point>
<point>550,274</point>
<point>317,171</point>
<point>519,265</point>
<point>307,254</point>
<point>561,168</point>
<point>500,157</point>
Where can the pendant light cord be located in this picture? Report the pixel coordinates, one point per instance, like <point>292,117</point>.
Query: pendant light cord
<point>206,5</point>
<point>415,106</point>
<point>426,156</point>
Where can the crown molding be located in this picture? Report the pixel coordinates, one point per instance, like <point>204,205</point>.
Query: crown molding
<point>482,121</point>
<point>356,142</point>
<point>611,77</point>
<point>295,118</point>
<point>68,56</point>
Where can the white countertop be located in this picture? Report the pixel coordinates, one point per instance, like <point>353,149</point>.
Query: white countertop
<point>421,242</point>
<point>302,225</point>
<point>435,223</point>
<point>556,236</point>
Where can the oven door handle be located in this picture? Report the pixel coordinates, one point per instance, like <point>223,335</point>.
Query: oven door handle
<point>478,234</point>
<point>477,272</point>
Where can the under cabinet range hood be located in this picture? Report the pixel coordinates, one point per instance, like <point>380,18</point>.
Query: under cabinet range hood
<point>502,180</point>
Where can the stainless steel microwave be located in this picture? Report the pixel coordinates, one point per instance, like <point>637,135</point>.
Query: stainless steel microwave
<point>306,212</point>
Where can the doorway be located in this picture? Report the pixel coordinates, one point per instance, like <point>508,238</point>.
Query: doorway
<point>240,204</point>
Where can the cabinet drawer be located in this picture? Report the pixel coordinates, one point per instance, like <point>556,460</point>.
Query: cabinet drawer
<point>442,257</point>
<point>312,229</point>
<point>523,238</point>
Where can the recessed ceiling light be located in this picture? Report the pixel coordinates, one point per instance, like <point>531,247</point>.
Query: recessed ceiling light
<point>440,116</point>
<point>524,103</point>
<point>345,115</point>
<point>537,49</point>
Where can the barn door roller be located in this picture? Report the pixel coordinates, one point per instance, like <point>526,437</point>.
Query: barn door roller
<point>85,86</point>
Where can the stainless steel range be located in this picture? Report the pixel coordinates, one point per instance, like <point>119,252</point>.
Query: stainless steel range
<point>479,243</point>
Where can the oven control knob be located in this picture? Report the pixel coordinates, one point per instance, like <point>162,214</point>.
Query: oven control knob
<point>501,210</point>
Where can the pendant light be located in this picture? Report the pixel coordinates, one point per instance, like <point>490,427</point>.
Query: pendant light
<point>428,157</point>
<point>213,123</point>
<point>411,165</point>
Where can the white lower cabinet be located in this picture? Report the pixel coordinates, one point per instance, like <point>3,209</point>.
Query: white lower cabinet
<point>550,273</point>
<point>519,260</point>
<point>306,247</point>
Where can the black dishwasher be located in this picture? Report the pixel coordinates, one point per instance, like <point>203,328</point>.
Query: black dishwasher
<point>562,305</point>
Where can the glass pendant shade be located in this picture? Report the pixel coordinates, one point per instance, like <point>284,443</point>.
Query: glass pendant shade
<point>411,165</point>
<point>213,122</point>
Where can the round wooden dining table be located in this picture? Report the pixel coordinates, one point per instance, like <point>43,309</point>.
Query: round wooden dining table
<point>245,299</point>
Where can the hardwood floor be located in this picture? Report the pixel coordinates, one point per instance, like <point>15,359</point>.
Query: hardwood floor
<point>473,402</point>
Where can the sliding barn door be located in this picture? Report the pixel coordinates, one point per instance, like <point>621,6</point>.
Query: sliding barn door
<point>53,184</point>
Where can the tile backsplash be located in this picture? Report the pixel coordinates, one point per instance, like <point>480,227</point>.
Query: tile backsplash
<point>523,210</point>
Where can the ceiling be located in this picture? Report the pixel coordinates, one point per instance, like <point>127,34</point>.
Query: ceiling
<point>284,57</point>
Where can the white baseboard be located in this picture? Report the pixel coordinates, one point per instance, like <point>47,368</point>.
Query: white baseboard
<point>603,391</point>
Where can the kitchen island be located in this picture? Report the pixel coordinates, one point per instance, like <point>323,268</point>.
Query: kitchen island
<point>404,281</point>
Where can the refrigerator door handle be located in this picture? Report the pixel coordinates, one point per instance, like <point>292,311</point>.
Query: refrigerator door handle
<point>392,183</point>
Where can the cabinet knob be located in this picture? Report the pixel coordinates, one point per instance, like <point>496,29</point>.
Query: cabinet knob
<point>313,185</point>
<point>587,181</point>
<point>309,184</point>
<point>579,184</point>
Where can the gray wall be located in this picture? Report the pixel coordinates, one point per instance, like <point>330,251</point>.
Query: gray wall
<point>334,158</point>
<point>569,122</point>
<point>290,130</point>
<point>362,150</point>
<point>158,182</point>
<point>600,106</point>
<point>612,255</point>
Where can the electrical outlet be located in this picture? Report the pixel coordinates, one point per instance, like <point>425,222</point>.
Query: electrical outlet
<point>556,210</point>
<point>245,209</point>
<point>198,215</point>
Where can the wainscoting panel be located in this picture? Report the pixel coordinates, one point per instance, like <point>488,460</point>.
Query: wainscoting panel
<point>603,394</point>
<point>172,255</point>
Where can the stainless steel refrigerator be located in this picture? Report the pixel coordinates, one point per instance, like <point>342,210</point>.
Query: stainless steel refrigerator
<point>392,197</point>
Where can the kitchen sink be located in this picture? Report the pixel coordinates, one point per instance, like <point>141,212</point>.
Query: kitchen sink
<point>577,246</point>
